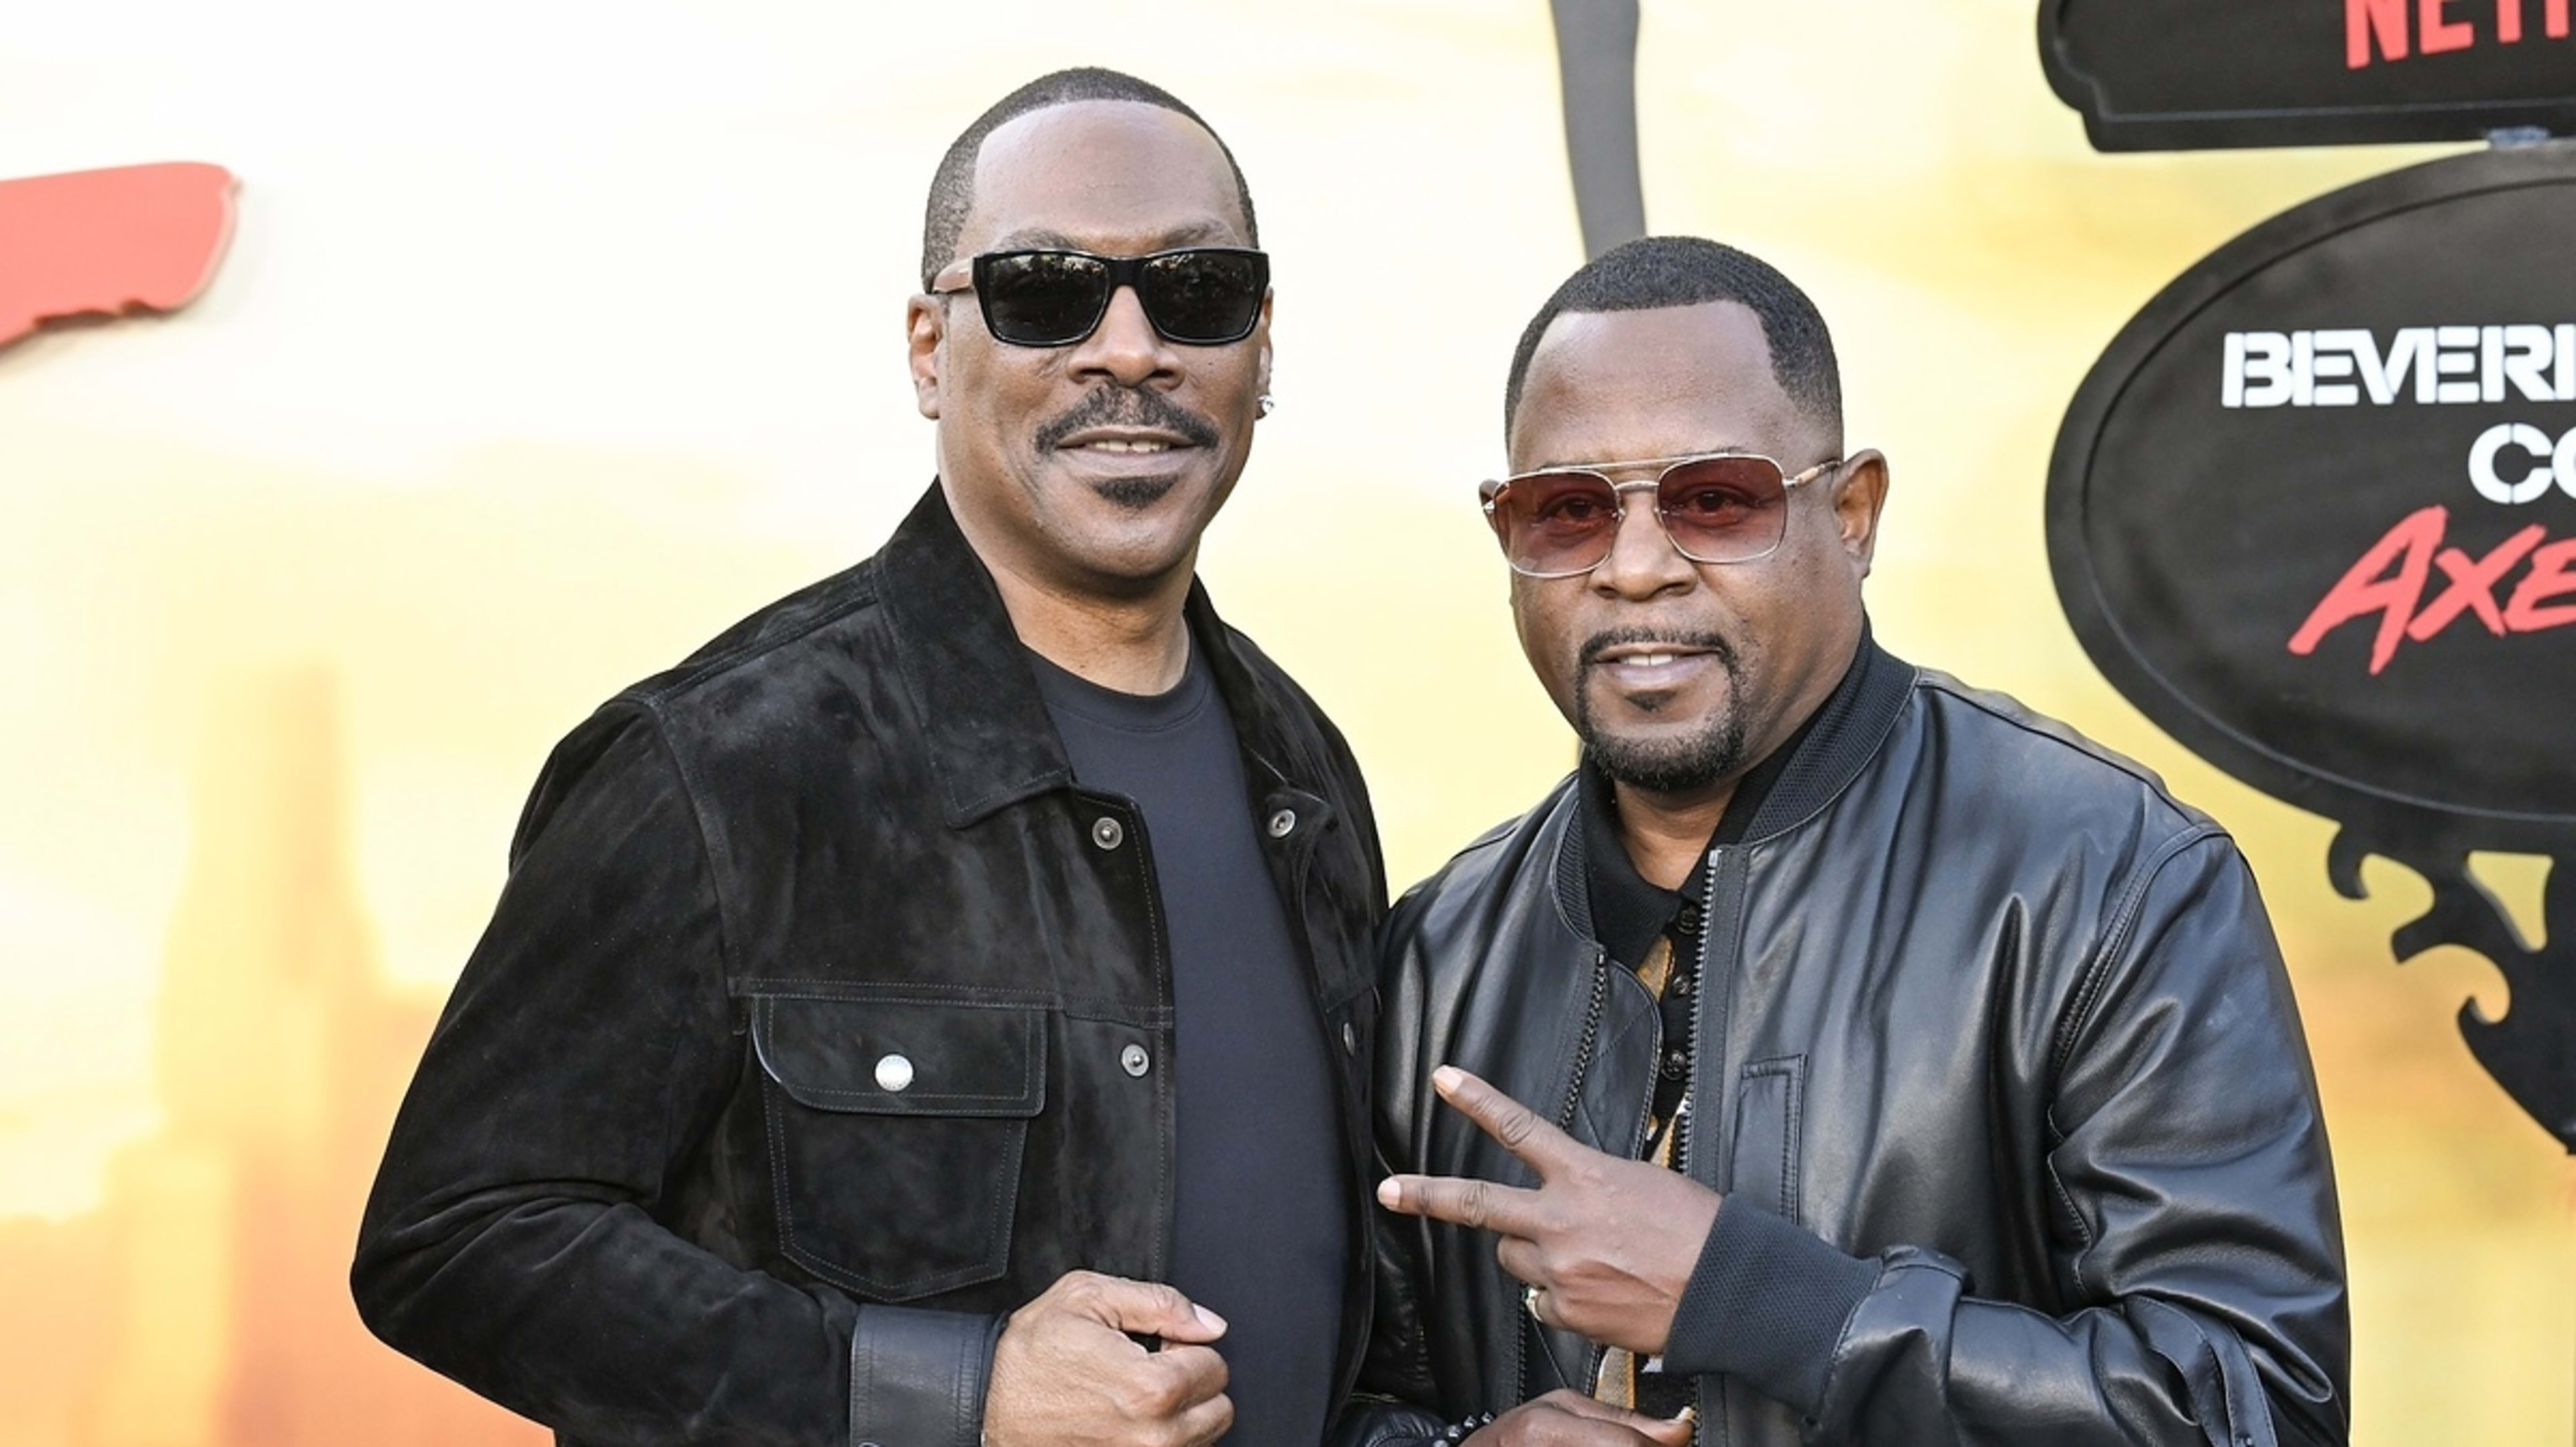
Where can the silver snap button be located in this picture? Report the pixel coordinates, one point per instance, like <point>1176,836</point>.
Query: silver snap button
<point>1282,822</point>
<point>1134,1060</point>
<point>1108,833</point>
<point>1350,1038</point>
<point>894,1073</point>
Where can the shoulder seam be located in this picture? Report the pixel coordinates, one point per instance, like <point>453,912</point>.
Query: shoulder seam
<point>651,694</point>
<point>652,712</point>
<point>652,707</point>
<point>1950,688</point>
<point>2124,918</point>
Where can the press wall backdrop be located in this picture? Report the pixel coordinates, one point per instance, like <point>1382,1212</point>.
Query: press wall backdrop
<point>555,337</point>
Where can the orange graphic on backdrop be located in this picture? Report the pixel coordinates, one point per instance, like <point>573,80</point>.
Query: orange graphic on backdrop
<point>206,1303</point>
<point>110,243</point>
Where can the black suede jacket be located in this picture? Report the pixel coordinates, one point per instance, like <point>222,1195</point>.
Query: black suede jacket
<point>818,987</point>
<point>1996,1063</point>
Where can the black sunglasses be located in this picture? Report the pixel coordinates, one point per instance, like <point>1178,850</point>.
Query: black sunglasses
<point>1198,296</point>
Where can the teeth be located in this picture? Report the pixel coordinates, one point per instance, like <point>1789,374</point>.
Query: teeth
<point>1652,660</point>
<point>1117,445</point>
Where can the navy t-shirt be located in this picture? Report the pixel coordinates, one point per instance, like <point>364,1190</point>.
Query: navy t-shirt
<point>1261,1235</point>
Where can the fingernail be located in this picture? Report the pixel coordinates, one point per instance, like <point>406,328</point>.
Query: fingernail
<point>1448,1077</point>
<point>1388,1193</point>
<point>1207,1318</point>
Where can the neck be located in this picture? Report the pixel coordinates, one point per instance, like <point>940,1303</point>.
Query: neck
<point>1666,833</point>
<point>1138,644</point>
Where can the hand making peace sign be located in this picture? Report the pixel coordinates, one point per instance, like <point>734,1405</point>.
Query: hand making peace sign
<point>1606,1244</point>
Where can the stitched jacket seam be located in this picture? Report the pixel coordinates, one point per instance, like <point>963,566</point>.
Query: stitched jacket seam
<point>1951,689</point>
<point>862,1382</point>
<point>1842,1339</point>
<point>2115,936</point>
<point>870,992</point>
<point>651,694</point>
<point>715,891</point>
<point>2066,1198</point>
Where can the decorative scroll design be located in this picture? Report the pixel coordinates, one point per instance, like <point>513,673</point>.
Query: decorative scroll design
<point>2531,1052</point>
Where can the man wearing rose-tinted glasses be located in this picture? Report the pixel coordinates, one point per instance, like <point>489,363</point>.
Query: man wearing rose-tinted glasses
<point>1839,1055</point>
<point>935,1014</point>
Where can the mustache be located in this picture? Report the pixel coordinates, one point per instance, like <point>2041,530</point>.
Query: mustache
<point>1609,638</point>
<point>1112,405</point>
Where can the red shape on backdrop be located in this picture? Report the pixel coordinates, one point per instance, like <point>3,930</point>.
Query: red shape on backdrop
<point>110,243</point>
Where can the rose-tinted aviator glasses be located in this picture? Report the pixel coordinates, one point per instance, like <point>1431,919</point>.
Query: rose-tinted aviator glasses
<point>1716,507</point>
<point>1197,296</point>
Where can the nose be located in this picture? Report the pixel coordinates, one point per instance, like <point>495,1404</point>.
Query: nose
<point>1643,561</point>
<point>1124,348</point>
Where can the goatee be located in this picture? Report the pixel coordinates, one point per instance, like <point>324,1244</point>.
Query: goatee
<point>1684,765</point>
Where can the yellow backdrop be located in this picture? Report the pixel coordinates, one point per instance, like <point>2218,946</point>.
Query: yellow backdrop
<point>557,336</point>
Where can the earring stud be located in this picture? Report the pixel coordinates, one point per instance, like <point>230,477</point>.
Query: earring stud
<point>1266,404</point>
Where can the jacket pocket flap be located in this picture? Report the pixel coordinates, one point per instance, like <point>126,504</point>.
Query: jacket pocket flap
<point>903,1057</point>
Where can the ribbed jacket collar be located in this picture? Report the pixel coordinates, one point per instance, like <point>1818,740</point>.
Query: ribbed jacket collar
<point>1781,792</point>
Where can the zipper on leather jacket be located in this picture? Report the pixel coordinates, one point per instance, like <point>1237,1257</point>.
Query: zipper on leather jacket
<point>1585,1042</point>
<point>1590,1038</point>
<point>1708,1066</point>
<point>1634,1149</point>
<point>1708,1072</point>
<point>1684,1117</point>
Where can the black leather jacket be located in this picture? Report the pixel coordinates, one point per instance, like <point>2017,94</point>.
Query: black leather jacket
<point>655,1182</point>
<point>1982,1007</point>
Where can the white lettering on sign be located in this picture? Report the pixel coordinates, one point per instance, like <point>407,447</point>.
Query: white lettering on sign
<point>2549,462</point>
<point>2440,366</point>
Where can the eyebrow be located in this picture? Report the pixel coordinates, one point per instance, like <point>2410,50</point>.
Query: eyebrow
<point>1046,238</point>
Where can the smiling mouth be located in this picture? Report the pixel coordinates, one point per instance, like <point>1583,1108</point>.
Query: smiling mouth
<point>1114,421</point>
<point>1639,663</point>
<point>1642,655</point>
<point>1123,442</point>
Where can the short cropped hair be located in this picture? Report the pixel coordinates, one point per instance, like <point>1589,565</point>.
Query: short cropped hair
<point>952,186</point>
<point>1667,271</point>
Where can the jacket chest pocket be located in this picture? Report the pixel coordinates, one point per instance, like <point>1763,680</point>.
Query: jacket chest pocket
<point>1769,1102</point>
<point>896,1129</point>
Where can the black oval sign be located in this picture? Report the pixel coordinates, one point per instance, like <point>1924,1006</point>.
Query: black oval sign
<point>2314,511</point>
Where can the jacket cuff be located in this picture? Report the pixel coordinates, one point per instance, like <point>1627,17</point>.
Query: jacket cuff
<point>918,1377</point>
<point>1766,1303</point>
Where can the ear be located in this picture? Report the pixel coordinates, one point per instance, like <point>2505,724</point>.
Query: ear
<point>1261,373</point>
<point>1860,492</point>
<point>925,321</point>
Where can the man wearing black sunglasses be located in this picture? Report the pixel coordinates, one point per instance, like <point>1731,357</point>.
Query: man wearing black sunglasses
<point>1840,1055</point>
<point>936,1013</point>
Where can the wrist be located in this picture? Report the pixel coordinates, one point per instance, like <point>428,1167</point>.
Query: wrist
<point>1688,1264</point>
